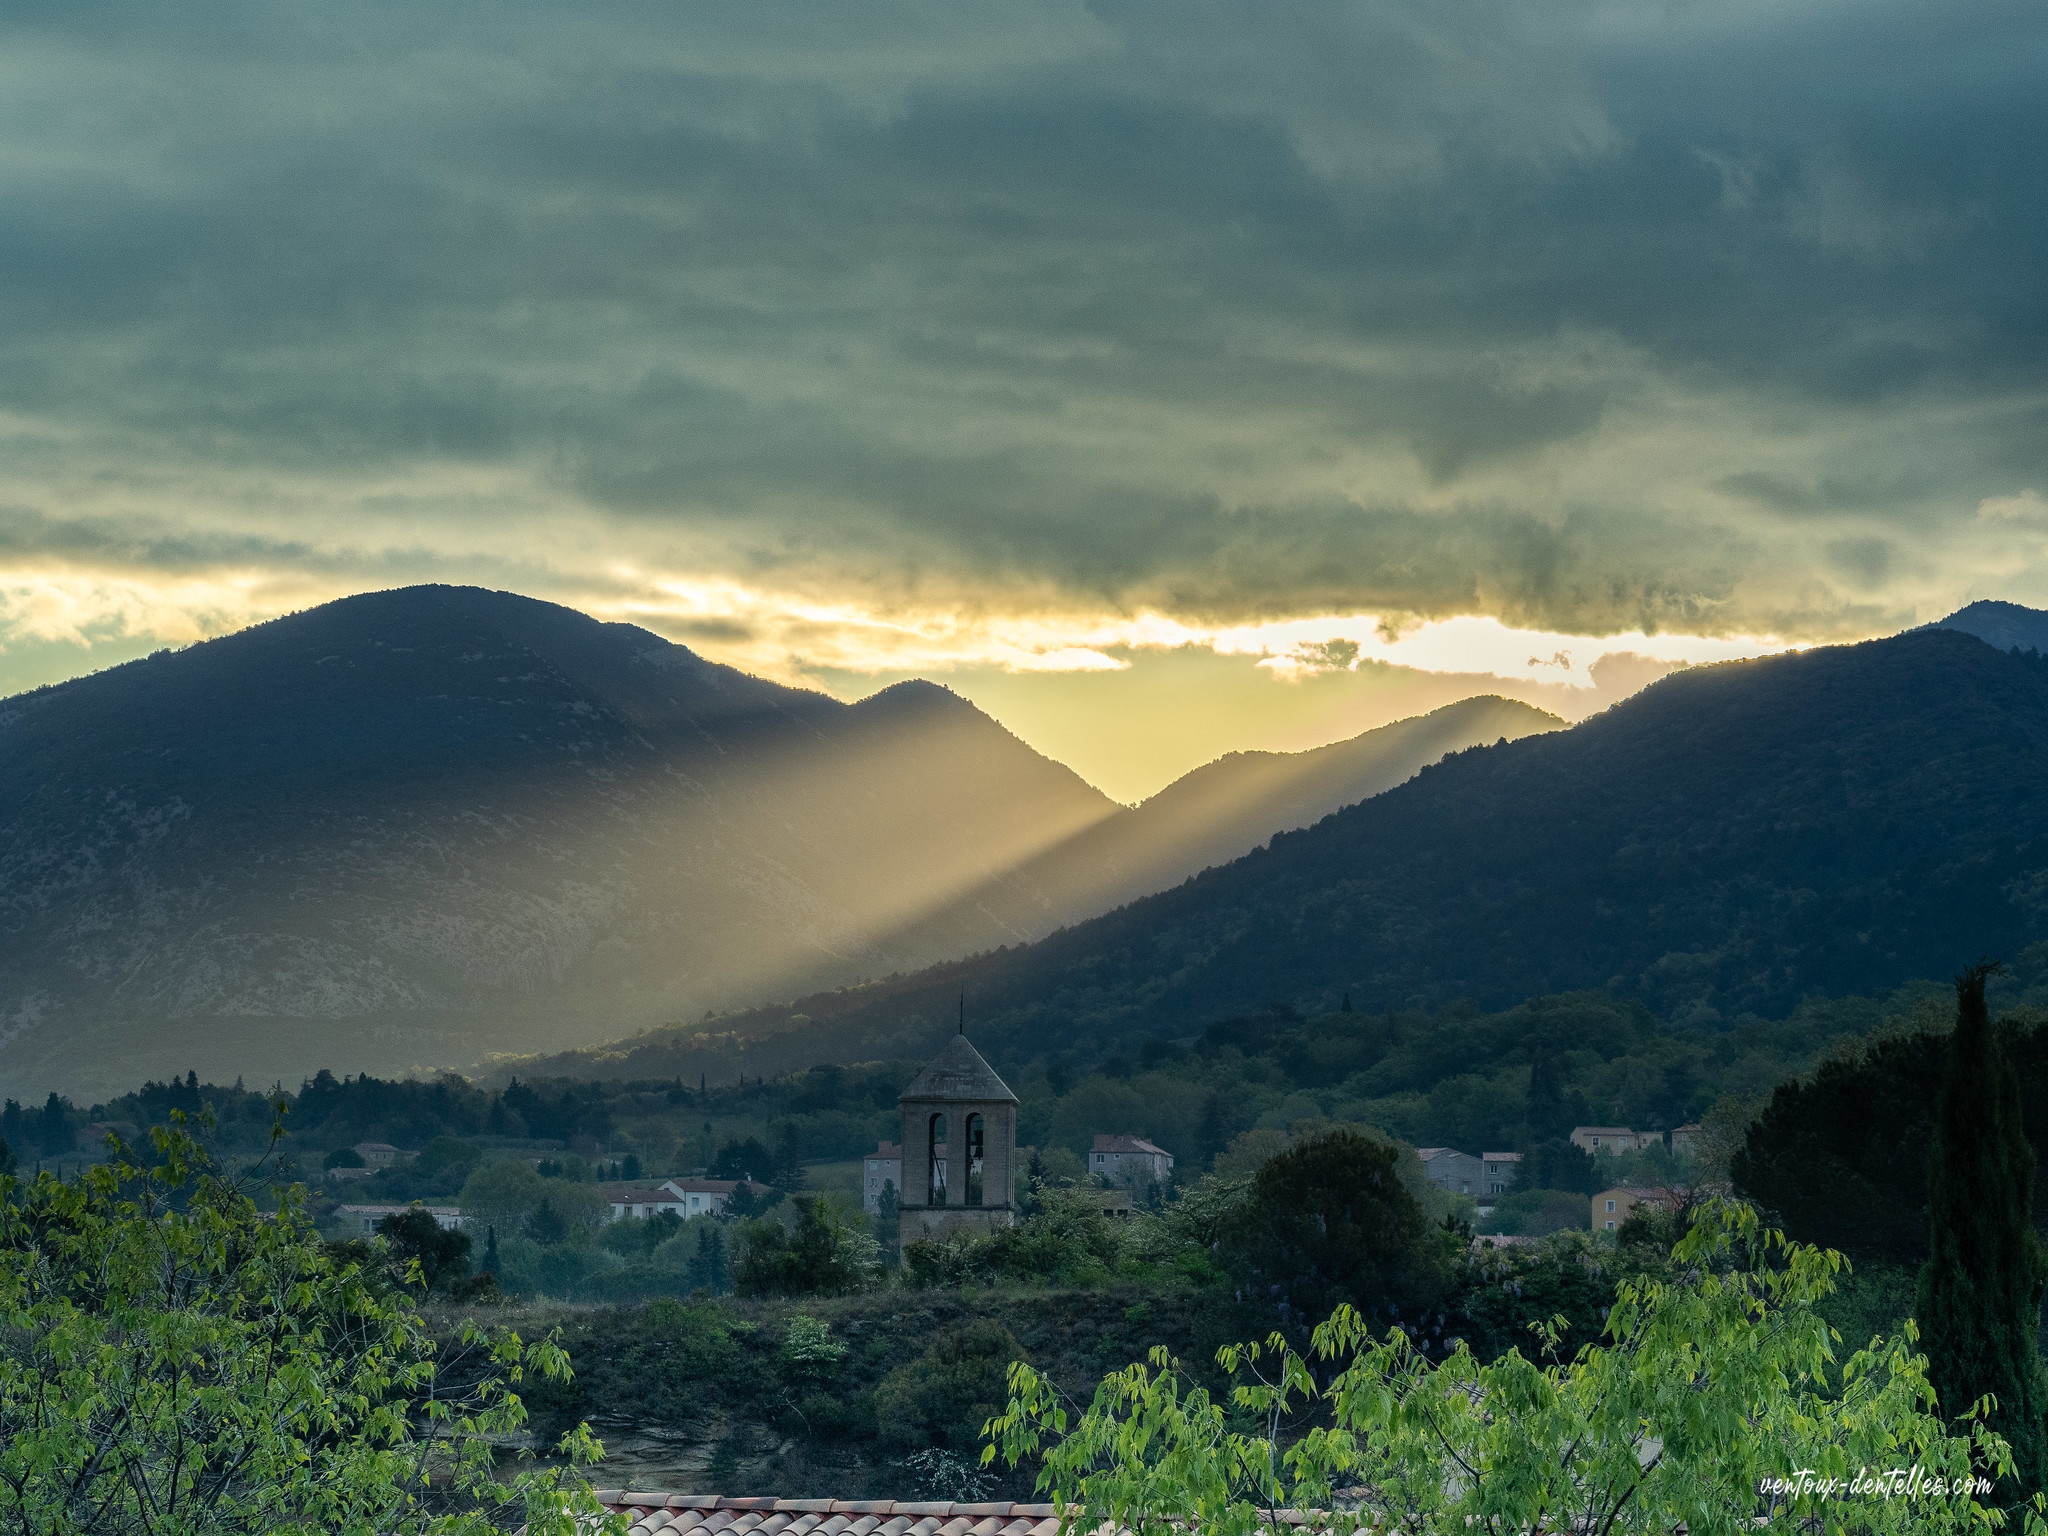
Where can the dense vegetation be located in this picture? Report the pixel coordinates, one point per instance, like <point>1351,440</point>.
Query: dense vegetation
<point>172,1359</point>
<point>1727,843</point>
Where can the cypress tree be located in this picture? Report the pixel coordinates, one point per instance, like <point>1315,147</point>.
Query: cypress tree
<point>1979,1297</point>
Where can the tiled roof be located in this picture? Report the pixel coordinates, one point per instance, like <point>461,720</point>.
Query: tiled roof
<point>659,1514</point>
<point>1500,1157</point>
<point>1126,1144</point>
<point>635,1194</point>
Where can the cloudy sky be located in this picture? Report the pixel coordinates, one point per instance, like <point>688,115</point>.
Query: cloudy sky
<point>1169,376</point>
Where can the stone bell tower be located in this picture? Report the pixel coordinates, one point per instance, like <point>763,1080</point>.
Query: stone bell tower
<point>959,1147</point>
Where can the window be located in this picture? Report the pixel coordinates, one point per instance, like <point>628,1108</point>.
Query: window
<point>936,1138</point>
<point>1610,1206</point>
<point>1610,1225</point>
<point>976,1148</point>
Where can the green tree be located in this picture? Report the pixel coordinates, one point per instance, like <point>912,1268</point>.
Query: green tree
<point>1979,1298</point>
<point>708,1265</point>
<point>889,1221</point>
<point>501,1193</point>
<point>545,1225</point>
<point>54,1134</point>
<point>415,1237</point>
<point>1715,1403</point>
<point>819,1253</point>
<point>174,1360</point>
<point>1326,1221</point>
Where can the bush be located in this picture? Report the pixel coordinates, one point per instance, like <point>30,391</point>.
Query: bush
<point>1537,1212</point>
<point>943,1397</point>
<point>809,1352</point>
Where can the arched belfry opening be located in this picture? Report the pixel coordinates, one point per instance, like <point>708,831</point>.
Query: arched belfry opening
<point>960,1125</point>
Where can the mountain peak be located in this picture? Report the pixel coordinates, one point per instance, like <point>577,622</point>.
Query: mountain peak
<point>913,695</point>
<point>2000,624</point>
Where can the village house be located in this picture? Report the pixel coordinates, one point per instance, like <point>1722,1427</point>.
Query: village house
<point>1611,1206</point>
<point>1499,1171</point>
<point>1684,1139</point>
<point>884,1166</point>
<point>447,1217</point>
<point>1130,1162</point>
<point>1609,1138</point>
<point>1447,1168</point>
<point>377,1154</point>
<point>678,1197</point>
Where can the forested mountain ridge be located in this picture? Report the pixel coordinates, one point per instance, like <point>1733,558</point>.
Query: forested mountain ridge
<point>410,827</point>
<point>1217,813</point>
<point>415,828</point>
<point>2004,625</point>
<point>1735,837</point>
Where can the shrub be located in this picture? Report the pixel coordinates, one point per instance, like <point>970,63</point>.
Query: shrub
<point>943,1397</point>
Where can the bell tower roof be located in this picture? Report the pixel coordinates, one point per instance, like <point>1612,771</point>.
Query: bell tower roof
<point>958,1073</point>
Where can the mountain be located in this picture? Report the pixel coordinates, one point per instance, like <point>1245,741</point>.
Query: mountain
<point>1215,814</point>
<point>417,828</point>
<point>2005,625</point>
<point>1731,839</point>
<point>411,827</point>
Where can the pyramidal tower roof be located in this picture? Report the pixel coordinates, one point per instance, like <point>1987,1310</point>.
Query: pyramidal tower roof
<point>958,1072</point>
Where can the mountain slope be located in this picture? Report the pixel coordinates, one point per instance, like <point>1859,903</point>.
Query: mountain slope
<point>2004,625</point>
<point>1215,814</point>
<point>410,827</point>
<point>1838,820</point>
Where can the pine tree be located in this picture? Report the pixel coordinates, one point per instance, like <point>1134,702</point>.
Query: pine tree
<point>490,1250</point>
<point>1979,1300</point>
<point>56,1127</point>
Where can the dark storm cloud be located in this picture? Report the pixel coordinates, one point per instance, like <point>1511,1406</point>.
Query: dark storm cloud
<point>1583,316</point>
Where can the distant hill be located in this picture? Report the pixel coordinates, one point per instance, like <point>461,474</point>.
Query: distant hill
<point>1731,839</point>
<point>414,828</point>
<point>411,827</point>
<point>2005,625</point>
<point>1215,814</point>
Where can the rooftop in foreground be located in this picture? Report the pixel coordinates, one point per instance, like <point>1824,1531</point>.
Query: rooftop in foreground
<point>655,1514</point>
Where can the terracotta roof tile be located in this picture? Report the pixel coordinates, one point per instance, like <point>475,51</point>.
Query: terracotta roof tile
<point>704,1514</point>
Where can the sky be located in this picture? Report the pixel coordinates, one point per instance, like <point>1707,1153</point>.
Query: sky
<point>1168,377</point>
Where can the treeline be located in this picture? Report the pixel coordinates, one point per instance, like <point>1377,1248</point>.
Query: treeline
<point>1511,1080</point>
